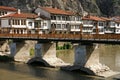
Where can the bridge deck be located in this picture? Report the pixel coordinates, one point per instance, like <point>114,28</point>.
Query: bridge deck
<point>65,37</point>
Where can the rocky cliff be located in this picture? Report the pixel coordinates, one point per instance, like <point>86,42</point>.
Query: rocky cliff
<point>100,7</point>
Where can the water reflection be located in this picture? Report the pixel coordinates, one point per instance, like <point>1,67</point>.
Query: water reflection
<point>29,72</point>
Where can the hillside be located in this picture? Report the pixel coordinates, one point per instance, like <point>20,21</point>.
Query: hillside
<point>100,7</point>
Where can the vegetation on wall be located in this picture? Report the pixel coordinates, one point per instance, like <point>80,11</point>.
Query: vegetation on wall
<point>64,47</point>
<point>32,52</point>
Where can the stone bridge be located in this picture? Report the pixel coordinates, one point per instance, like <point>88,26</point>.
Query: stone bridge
<point>86,57</point>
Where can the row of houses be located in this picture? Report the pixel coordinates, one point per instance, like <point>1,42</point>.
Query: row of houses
<point>52,20</point>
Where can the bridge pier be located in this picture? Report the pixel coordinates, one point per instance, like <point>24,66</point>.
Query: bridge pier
<point>46,53</point>
<point>88,56</point>
<point>20,51</point>
<point>4,48</point>
<point>87,60</point>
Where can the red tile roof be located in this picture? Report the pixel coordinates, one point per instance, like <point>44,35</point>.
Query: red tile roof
<point>94,18</point>
<point>21,15</point>
<point>57,11</point>
<point>116,19</point>
<point>107,19</point>
<point>7,8</point>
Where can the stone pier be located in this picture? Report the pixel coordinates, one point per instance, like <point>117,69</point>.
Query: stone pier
<point>87,60</point>
<point>20,51</point>
<point>4,48</point>
<point>46,53</point>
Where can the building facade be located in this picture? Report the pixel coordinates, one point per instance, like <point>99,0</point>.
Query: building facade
<point>19,23</point>
<point>93,25</point>
<point>60,21</point>
<point>52,20</point>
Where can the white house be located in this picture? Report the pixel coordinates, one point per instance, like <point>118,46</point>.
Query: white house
<point>116,25</point>
<point>110,27</point>
<point>4,10</point>
<point>60,20</point>
<point>19,22</point>
<point>93,25</point>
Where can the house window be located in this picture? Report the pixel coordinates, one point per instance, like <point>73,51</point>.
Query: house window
<point>64,26</point>
<point>101,24</point>
<point>77,18</point>
<point>53,17</point>
<point>23,22</point>
<point>63,17</point>
<point>84,22</point>
<point>30,23</point>
<point>17,22</point>
<point>9,22</point>
<point>13,22</point>
<point>58,26</point>
<point>77,27</point>
<point>5,12</point>
<point>0,13</point>
<point>68,18</point>
<point>112,24</point>
<point>117,30</point>
<point>44,24</point>
<point>117,24</point>
<point>58,17</point>
<point>73,18</point>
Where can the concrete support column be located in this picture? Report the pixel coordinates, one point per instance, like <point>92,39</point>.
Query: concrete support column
<point>12,49</point>
<point>86,55</point>
<point>46,53</point>
<point>20,51</point>
<point>45,50</point>
<point>87,60</point>
<point>49,50</point>
<point>4,48</point>
<point>80,55</point>
<point>38,50</point>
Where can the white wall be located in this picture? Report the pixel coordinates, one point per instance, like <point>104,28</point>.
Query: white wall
<point>4,23</point>
<point>48,24</point>
<point>87,23</point>
<point>27,23</point>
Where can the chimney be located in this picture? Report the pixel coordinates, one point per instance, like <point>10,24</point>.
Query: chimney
<point>38,13</point>
<point>88,16</point>
<point>19,11</point>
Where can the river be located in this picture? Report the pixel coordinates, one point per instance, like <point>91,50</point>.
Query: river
<point>18,71</point>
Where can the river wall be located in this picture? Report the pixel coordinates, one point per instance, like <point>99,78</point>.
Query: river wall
<point>109,55</point>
